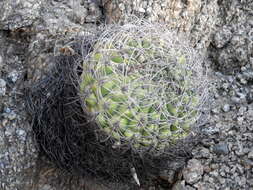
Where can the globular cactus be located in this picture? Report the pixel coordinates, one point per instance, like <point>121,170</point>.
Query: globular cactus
<point>143,85</point>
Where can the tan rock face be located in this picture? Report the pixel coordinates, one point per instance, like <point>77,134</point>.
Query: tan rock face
<point>157,10</point>
<point>195,17</point>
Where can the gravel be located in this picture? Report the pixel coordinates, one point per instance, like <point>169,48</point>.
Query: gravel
<point>228,165</point>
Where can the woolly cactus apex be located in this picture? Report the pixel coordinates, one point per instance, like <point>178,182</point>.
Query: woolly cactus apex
<point>144,85</point>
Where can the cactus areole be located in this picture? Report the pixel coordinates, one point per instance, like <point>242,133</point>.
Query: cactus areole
<point>142,86</point>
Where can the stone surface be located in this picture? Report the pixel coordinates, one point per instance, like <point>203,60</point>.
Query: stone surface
<point>232,42</point>
<point>18,14</point>
<point>194,17</point>
<point>17,150</point>
<point>54,16</point>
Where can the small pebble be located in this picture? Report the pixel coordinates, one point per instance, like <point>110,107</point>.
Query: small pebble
<point>2,87</point>
<point>240,120</point>
<point>241,95</point>
<point>235,100</point>
<point>12,116</point>
<point>141,10</point>
<point>243,81</point>
<point>13,76</point>
<point>215,110</point>
<point>221,148</point>
<point>20,132</point>
<point>242,110</point>
<point>168,175</point>
<point>179,185</point>
<point>193,172</point>
<point>226,108</point>
<point>250,155</point>
<point>1,61</point>
<point>202,153</point>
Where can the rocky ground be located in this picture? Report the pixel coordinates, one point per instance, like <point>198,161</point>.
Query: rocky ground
<point>31,30</point>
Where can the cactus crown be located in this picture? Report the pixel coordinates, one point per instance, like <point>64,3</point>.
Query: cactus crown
<point>143,85</point>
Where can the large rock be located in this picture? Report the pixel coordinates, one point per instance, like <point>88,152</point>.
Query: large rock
<point>54,15</point>
<point>194,17</point>
<point>30,32</point>
<point>232,43</point>
<point>19,13</point>
<point>17,150</point>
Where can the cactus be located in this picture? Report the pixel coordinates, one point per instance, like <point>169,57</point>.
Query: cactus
<point>143,86</point>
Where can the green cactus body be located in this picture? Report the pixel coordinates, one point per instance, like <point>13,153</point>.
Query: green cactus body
<point>139,94</point>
